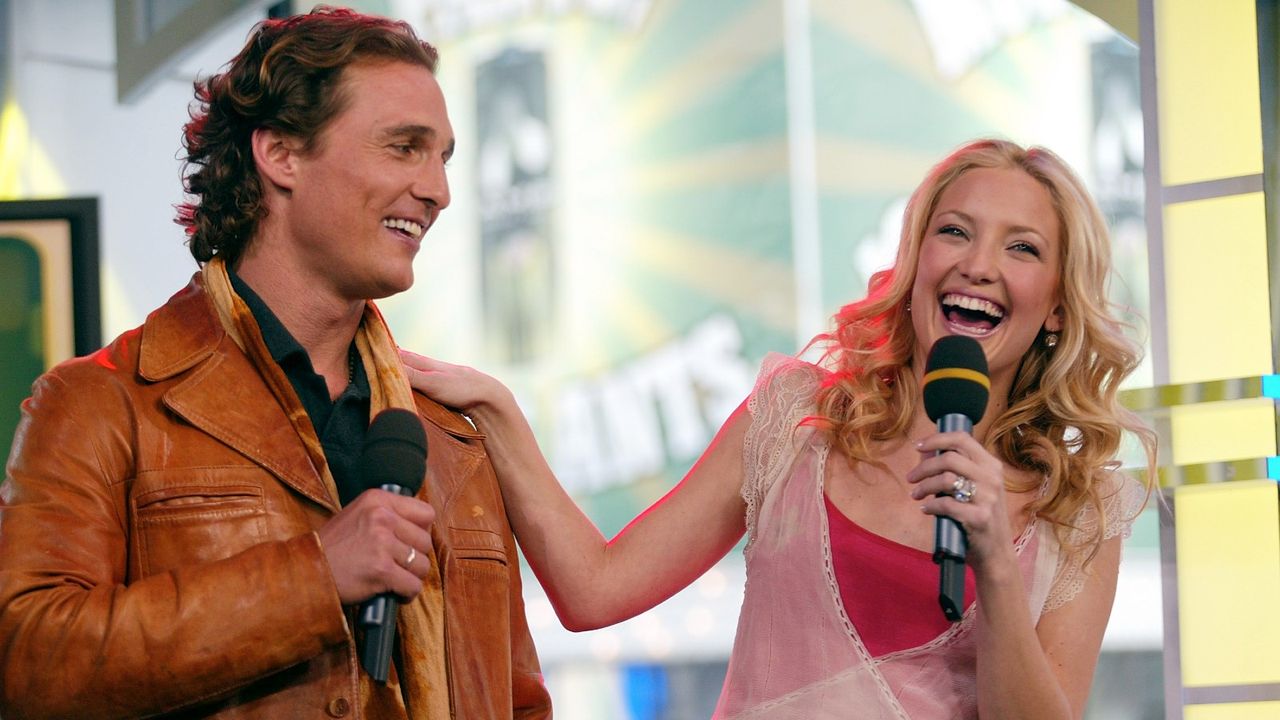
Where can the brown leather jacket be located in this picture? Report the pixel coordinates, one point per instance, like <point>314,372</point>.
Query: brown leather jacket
<point>158,553</point>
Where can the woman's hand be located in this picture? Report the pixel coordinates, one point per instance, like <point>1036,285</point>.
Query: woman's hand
<point>456,386</point>
<point>948,460</point>
<point>593,583</point>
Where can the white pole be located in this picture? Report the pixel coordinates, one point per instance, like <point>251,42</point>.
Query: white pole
<point>806,233</point>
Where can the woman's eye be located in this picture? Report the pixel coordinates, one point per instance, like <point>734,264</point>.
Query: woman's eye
<point>951,230</point>
<point>1028,248</point>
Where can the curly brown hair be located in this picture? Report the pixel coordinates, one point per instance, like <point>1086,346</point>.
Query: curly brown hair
<point>288,79</point>
<point>1064,420</point>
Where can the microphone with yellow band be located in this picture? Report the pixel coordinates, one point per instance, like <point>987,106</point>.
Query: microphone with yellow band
<point>956,386</point>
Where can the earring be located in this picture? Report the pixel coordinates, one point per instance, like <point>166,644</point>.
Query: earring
<point>908,305</point>
<point>1050,340</point>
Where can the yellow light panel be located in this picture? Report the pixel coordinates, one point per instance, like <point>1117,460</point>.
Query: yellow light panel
<point>1228,579</point>
<point>1216,279</point>
<point>1207,77</point>
<point>1234,711</point>
<point>1221,431</point>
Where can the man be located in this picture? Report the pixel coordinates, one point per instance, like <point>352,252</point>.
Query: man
<point>182,529</point>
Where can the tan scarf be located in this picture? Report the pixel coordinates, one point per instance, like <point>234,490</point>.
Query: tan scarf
<point>423,694</point>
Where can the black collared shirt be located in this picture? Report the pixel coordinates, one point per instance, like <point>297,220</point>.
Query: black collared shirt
<point>341,424</point>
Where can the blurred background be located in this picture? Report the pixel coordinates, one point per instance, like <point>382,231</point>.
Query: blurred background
<point>648,197</point>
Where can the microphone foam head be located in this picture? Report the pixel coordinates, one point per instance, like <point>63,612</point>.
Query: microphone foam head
<point>395,451</point>
<point>955,379</point>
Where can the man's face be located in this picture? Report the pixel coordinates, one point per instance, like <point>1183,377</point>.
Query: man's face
<point>374,183</point>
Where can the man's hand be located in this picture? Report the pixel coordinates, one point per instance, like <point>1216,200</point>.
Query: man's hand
<point>379,543</point>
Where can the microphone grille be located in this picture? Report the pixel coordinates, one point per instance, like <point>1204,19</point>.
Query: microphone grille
<point>956,379</point>
<point>395,451</point>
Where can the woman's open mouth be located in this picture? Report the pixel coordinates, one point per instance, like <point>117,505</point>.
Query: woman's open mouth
<point>971,315</point>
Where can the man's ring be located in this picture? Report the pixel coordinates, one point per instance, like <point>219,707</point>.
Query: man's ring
<point>962,489</point>
<point>413,553</point>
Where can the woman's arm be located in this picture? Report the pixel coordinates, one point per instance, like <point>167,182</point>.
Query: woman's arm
<point>1045,672</point>
<point>590,582</point>
<point>1072,634</point>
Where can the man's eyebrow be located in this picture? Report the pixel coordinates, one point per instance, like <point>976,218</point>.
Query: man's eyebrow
<point>415,131</point>
<point>409,130</point>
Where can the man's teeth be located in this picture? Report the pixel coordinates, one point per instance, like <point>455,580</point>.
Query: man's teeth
<point>408,226</point>
<point>972,303</point>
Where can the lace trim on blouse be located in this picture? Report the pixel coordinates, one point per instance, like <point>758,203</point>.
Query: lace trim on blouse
<point>1120,507</point>
<point>783,396</point>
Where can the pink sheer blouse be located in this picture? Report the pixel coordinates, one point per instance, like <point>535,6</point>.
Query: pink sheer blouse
<point>797,655</point>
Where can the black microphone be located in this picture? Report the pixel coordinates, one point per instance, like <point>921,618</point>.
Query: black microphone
<point>956,386</point>
<point>394,458</point>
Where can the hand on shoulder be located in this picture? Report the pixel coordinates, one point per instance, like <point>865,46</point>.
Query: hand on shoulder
<point>456,386</point>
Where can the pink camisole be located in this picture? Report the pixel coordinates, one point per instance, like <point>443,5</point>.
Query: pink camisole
<point>889,590</point>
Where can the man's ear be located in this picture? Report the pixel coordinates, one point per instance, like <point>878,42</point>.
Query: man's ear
<point>276,157</point>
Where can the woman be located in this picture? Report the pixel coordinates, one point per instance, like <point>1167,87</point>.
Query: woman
<point>834,473</point>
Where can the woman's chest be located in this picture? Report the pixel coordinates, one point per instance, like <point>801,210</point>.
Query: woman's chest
<point>879,499</point>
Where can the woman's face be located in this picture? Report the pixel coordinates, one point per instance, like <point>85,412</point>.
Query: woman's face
<point>989,267</point>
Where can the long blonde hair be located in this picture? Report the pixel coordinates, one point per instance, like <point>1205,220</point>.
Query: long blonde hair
<point>1063,421</point>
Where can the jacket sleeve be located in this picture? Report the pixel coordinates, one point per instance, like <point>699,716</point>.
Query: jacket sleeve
<point>78,638</point>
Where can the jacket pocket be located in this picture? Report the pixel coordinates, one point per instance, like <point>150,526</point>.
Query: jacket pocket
<point>477,592</point>
<point>185,517</point>
<point>477,544</point>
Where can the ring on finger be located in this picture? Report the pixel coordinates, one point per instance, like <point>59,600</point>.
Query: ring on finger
<point>963,489</point>
<point>413,553</point>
